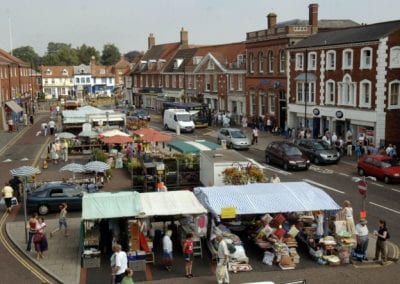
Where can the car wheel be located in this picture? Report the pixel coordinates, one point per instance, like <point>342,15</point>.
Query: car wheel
<point>267,159</point>
<point>43,209</point>
<point>230,146</point>
<point>361,172</point>
<point>285,166</point>
<point>386,179</point>
<point>316,160</point>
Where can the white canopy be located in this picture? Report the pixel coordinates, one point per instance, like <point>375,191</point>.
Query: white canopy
<point>113,132</point>
<point>261,198</point>
<point>180,202</point>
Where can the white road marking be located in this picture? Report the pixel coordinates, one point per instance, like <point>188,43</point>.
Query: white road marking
<point>324,186</point>
<point>378,184</point>
<point>268,167</point>
<point>320,170</point>
<point>384,207</point>
<point>396,190</point>
<point>343,174</point>
<point>256,163</point>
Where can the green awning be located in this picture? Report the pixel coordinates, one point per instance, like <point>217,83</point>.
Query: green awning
<point>193,147</point>
<point>107,205</point>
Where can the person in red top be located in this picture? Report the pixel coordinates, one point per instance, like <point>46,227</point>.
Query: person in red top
<point>188,254</point>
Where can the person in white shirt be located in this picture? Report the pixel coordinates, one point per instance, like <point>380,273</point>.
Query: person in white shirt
<point>223,258</point>
<point>275,179</point>
<point>121,263</point>
<point>362,238</point>
<point>167,250</point>
<point>52,126</point>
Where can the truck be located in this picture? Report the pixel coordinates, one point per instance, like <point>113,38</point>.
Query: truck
<point>174,118</point>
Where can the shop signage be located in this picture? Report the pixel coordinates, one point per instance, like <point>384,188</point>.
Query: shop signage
<point>316,111</point>
<point>228,213</point>
<point>339,114</point>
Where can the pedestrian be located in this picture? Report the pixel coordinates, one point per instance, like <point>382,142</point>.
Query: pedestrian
<point>52,127</point>
<point>223,257</point>
<point>255,136</point>
<point>121,264</point>
<point>275,179</point>
<point>188,254</point>
<point>39,239</point>
<point>167,250</point>
<point>161,186</point>
<point>10,123</point>
<point>62,221</point>
<point>7,192</point>
<point>16,185</point>
<point>347,211</point>
<point>31,119</point>
<point>32,225</point>
<point>58,110</point>
<point>64,149</point>
<point>43,128</point>
<point>362,239</point>
<point>128,278</point>
<point>382,235</point>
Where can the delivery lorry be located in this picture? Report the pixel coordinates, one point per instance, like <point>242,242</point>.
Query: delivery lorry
<point>174,118</point>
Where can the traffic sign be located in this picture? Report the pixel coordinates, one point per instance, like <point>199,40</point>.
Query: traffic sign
<point>362,187</point>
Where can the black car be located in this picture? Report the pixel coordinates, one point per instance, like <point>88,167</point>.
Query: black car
<point>287,155</point>
<point>318,151</point>
<point>49,196</point>
<point>142,114</point>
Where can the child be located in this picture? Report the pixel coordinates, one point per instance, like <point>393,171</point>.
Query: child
<point>188,254</point>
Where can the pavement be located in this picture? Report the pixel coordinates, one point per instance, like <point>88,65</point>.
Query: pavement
<point>62,260</point>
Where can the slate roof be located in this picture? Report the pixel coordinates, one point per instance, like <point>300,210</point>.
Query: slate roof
<point>185,54</point>
<point>364,33</point>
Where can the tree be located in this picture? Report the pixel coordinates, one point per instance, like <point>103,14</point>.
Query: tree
<point>60,54</point>
<point>131,55</point>
<point>85,53</point>
<point>110,54</point>
<point>27,54</point>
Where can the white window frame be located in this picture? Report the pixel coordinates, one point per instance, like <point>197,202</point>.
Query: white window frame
<point>311,92</point>
<point>271,103</point>
<point>252,96</point>
<point>167,81</point>
<point>396,106</point>
<point>261,62</point>
<point>210,65</point>
<point>362,97</point>
<point>330,60</point>
<point>282,61</point>
<point>299,62</point>
<point>251,63</point>
<point>207,84</point>
<point>299,92</point>
<point>364,64</point>
<point>394,61</point>
<point>240,82</point>
<point>270,61</point>
<point>231,82</point>
<point>347,65</point>
<point>329,91</point>
<point>312,61</point>
<point>347,85</point>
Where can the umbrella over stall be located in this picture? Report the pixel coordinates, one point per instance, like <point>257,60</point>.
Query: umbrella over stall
<point>65,135</point>
<point>24,172</point>
<point>97,167</point>
<point>151,135</point>
<point>114,132</point>
<point>118,139</point>
<point>74,168</point>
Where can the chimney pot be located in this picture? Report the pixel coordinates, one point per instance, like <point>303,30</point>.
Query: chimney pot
<point>313,15</point>
<point>271,20</point>
<point>151,41</point>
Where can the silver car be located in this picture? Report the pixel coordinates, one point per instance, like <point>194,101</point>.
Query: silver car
<point>234,137</point>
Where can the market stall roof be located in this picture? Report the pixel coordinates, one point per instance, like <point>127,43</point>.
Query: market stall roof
<point>193,147</point>
<point>152,135</point>
<point>14,106</point>
<point>180,202</point>
<point>79,115</point>
<point>111,205</point>
<point>117,139</point>
<point>261,198</point>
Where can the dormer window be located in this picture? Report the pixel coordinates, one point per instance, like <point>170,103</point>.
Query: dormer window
<point>65,72</point>
<point>210,65</point>
<point>197,59</point>
<point>177,63</point>
<point>48,72</point>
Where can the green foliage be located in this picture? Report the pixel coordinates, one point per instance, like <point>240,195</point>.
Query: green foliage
<point>85,53</point>
<point>99,155</point>
<point>134,163</point>
<point>110,54</point>
<point>60,54</point>
<point>27,54</point>
<point>130,56</point>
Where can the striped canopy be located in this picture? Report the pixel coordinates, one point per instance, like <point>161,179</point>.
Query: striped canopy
<point>193,147</point>
<point>24,171</point>
<point>97,166</point>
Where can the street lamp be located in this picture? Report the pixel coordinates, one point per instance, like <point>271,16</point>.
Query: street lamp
<point>362,187</point>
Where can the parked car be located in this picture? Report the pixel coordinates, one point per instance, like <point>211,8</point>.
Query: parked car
<point>380,166</point>
<point>49,196</point>
<point>318,151</point>
<point>142,114</point>
<point>235,138</point>
<point>287,155</point>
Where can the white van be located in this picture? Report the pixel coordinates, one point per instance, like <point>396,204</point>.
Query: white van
<point>178,117</point>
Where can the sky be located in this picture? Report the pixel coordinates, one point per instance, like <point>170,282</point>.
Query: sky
<point>128,23</point>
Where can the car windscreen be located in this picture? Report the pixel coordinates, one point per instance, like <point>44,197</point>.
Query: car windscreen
<point>291,151</point>
<point>390,163</point>
<point>238,134</point>
<point>322,145</point>
<point>183,117</point>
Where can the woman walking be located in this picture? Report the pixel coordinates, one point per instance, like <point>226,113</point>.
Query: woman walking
<point>62,220</point>
<point>40,239</point>
<point>32,225</point>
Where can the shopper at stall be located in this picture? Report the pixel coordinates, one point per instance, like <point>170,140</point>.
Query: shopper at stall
<point>362,238</point>
<point>382,235</point>
<point>32,225</point>
<point>128,278</point>
<point>62,220</point>
<point>347,211</point>
<point>223,258</point>
<point>121,264</point>
<point>167,250</point>
<point>188,254</point>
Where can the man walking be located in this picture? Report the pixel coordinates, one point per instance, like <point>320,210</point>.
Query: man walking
<point>223,257</point>
<point>121,264</point>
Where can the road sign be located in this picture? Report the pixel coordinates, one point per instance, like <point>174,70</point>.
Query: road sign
<point>362,187</point>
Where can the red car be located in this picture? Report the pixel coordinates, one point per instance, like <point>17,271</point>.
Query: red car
<point>380,166</point>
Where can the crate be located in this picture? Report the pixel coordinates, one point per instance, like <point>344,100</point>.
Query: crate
<point>91,262</point>
<point>137,265</point>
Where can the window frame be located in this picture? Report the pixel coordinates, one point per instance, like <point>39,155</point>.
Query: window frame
<point>394,57</point>
<point>251,63</point>
<point>362,102</point>
<point>261,62</point>
<point>328,100</point>
<point>330,56</point>
<point>352,91</point>
<point>270,61</point>
<point>363,63</point>
<point>311,66</point>
<point>397,106</point>
<point>299,61</point>
<point>346,65</point>
<point>282,61</point>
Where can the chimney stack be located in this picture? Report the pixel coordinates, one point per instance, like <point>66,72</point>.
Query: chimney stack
<point>151,41</point>
<point>184,37</point>
<point>313,15</point>
<point>271,20</point>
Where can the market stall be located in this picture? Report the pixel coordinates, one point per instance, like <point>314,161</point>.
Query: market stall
<point>192,147</point>
<point>281,215</point>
